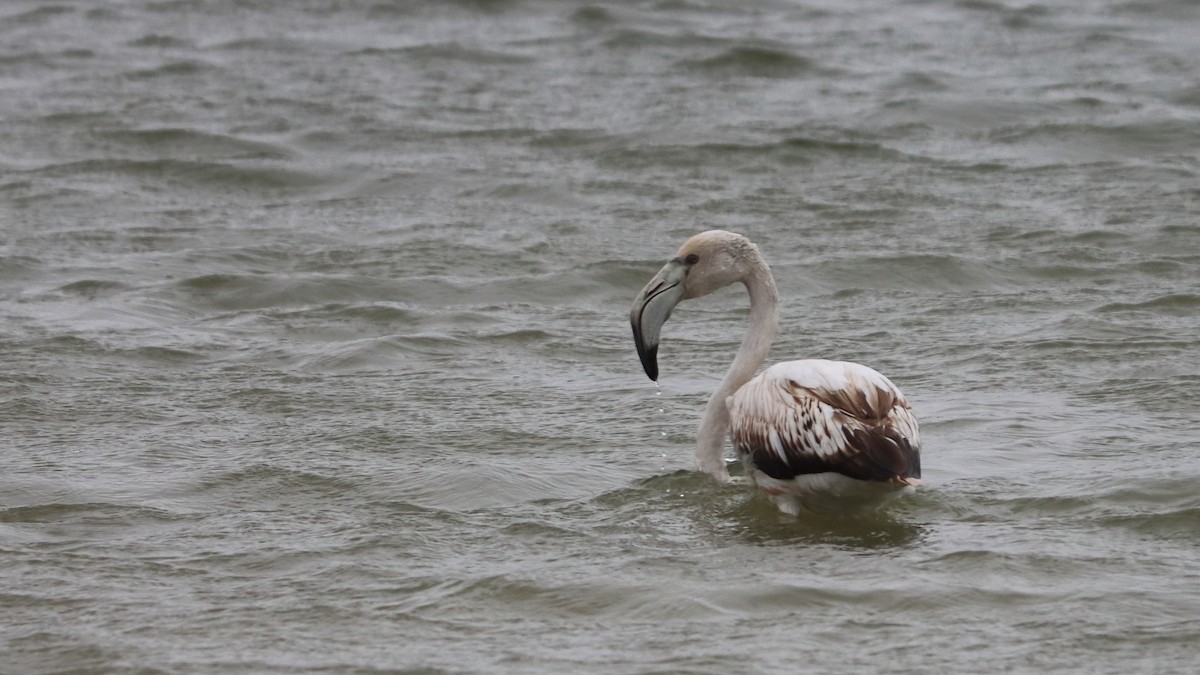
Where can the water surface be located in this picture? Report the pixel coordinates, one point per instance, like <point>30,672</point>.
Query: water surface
<point>316,353</point>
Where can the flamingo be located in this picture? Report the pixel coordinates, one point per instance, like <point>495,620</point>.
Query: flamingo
<point>815,435</point>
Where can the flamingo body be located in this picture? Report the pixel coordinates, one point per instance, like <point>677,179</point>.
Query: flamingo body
<point>825,435</point>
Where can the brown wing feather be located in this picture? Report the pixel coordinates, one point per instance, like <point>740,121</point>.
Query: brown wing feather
<point>864,431</point>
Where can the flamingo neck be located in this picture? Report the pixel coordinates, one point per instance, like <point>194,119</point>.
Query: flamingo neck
<point>764,318</point>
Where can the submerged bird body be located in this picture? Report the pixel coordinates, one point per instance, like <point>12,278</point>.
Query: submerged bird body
<point>825,436</point>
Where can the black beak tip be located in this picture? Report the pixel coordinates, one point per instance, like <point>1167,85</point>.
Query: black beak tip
<point>647,355</point>
<point>650,362</point>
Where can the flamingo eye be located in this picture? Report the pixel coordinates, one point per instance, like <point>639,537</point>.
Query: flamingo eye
<point>692,259</point>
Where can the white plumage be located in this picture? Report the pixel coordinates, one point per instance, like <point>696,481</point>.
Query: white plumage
<point>813,434</point>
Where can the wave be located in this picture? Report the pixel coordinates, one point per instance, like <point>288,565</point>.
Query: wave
<point>251,291</point>
<point>592,16</point>
<point>174,69</point>
<point>754,61</point>
<point>1090,142</point>
<point>1175,304</point>
<point>277,45</point>
<point>633,38</point>
<point>158,41</point>
<point>512,596</point>
<point>527,194</point>
<point>86,513</point>
<point>189,174</point>
<point>911,271</point>
<point>193,144</point>
<point>40,15</point>
<point>380,353</point>
<point>786,152</point>
<point>46,59</point>
<point>18,266</point>
<point>450,51</point>
<point>92,288</point>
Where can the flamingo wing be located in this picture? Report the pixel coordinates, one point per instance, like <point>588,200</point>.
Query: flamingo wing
<point>817,416</point>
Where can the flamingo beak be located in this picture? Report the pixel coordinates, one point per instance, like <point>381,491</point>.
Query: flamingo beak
<point>651,309</point>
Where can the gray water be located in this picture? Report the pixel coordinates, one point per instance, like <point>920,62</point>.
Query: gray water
<point>316,355</point>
